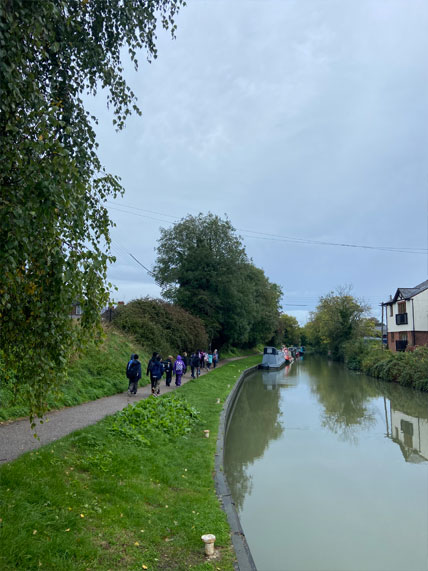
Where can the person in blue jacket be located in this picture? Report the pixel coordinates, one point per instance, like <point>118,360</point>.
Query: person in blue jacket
<point>133,372</point>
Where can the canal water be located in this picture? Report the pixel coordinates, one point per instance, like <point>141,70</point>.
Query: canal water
<point>329,470</point>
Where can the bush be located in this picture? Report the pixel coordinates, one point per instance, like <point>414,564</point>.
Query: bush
<point>161,326</point>
<point>409,368</point>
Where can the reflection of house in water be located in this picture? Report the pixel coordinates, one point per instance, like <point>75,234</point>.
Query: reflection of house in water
<point>411,434</point>
<point>274,379</point>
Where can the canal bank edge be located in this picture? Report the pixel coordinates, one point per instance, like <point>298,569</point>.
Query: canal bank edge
<point>245,561</point>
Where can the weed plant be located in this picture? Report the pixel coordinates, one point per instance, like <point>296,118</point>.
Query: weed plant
<point>145,420</point>
<point>99,499</point>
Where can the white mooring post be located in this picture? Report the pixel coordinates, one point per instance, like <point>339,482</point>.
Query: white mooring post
<point>209,539</point>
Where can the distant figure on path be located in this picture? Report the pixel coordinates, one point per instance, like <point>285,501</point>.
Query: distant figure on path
<point>178,370</point>
<point>167,367</point>
<point>150,365</point>
<point>133,372</point>
<point>185,361</point>
<point>215,358</point>
<point>195,364</point>
<point>156,375</point>
<point>209,359</point>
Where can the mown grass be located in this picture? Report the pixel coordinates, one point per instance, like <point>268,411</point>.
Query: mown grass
<point>98,500</point>
<point>96,373</point>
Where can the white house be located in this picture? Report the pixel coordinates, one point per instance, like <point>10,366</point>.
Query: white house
<point>407,317</point>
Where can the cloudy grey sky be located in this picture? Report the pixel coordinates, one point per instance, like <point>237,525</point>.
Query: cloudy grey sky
<point>304,121</point>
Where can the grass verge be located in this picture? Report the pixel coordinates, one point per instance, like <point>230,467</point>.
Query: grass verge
<point>97,499</point>
<point>235,352</point>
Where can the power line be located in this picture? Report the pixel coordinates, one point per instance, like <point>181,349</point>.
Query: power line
<point>121,249</point>
<point>278,237</point>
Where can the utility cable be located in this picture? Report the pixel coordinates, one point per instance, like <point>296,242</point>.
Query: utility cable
<point>281,238</point>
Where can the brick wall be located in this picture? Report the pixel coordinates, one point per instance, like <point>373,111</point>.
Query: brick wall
<point>421,337</point>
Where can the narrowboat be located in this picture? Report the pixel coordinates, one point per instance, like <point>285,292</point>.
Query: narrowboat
<point>273,358</point>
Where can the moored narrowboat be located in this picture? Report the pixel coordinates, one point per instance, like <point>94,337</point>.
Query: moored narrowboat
<point>273,358</point>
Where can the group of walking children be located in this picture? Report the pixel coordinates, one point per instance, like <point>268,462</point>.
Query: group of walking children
<point>200,360</point>
<point>157,367</point>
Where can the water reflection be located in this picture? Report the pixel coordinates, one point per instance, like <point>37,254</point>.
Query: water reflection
<point>316,452</point>
<point>282,378</point>
<point>255,422</point>
<point>345,398</point>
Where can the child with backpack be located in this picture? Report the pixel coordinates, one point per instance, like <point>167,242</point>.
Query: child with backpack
<point>133,372</point>
<point>178,370</point>
<point>167,367</point>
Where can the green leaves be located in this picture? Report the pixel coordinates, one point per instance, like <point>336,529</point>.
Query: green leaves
<point>145,420</point>
<point>338,319</point>
<point>203,267</point>
<point>53,223</point>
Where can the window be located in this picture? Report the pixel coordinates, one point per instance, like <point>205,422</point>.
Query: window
<point>401,307</point>
<point>391,311</point>
<point>403,336</point>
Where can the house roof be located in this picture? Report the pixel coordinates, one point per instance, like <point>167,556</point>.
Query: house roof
<point>408,292</point>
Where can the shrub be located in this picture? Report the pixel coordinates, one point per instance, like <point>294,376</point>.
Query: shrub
<point>161,326</point>
<point>409,368</point>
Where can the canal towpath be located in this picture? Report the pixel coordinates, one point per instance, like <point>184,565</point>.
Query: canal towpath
<point>17,437</point>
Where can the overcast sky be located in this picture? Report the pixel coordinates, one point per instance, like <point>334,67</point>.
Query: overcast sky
<point>304,121</point>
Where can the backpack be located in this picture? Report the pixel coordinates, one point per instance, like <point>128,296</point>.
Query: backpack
<point>157,370</point>
<point>167,366</point>
<point>179,366</point>
<point>132,370</point>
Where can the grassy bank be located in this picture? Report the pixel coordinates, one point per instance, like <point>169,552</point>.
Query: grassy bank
<point>235,352</point>
<point>99,500</point>
<point>98,372</point>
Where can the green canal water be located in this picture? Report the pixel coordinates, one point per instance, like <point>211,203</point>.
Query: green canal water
<point>329,470</point>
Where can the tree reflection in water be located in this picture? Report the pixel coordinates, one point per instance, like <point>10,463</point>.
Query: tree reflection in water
<point>254,423</point>
<point>345,397</point>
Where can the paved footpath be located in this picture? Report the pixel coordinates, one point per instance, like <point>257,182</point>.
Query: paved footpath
<point>18,437</point>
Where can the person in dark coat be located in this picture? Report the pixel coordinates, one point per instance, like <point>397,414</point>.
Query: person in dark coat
<point>150,365</point>
<point>195,364</point>
<point>133,372</point>
<point>185,361</point>
<point>156,373</point>
<point>167,367</point>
